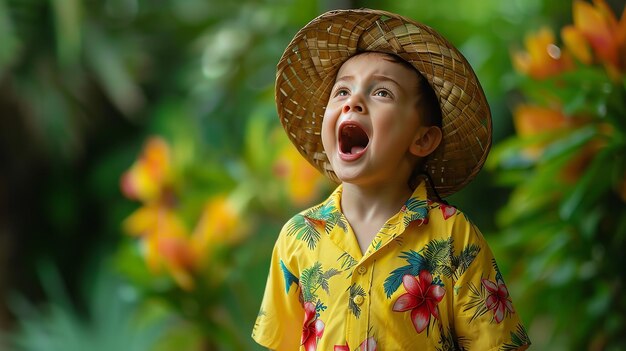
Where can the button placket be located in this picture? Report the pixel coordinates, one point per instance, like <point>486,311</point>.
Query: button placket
<point>358,327</point>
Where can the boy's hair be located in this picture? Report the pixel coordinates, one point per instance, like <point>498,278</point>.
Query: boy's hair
<point>427,103</point>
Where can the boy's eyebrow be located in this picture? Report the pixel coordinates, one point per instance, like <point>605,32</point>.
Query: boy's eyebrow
<point>379,77</point>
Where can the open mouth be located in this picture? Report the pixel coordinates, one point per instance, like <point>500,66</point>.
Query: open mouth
<point>352,139</point>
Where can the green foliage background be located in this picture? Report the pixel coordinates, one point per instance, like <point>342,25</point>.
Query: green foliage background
<point>84,83</point>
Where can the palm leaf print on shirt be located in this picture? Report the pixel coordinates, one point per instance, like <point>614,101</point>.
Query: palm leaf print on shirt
<point>394,280</point>
<point>347,261</point>
<point>313,278</point>
<point>462,262</point>
<point>437,256</point>
<point>329,213</point>
<point>416,210</point>
<point>305,228</point>
<point>519,338</point>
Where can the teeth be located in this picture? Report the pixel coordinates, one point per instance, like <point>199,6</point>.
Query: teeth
<point>353,139</point>
<point>356,149</point>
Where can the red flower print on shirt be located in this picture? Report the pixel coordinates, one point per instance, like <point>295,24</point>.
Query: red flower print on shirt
<point>421,298</point>
<point>368,344</point>
<point>312,329</point>
<point>497,299</point>
<point>447,210</point>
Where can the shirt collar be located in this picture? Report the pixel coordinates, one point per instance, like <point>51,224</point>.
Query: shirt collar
<point>414,209</point>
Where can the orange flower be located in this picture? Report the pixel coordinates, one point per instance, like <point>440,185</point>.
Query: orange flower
<point>179,259</point>
<point>599,26</point>
<point>542,57</point>
<point>302,180</point>
<point>150,175</point>
<point>532,120</point>
<point>165,241</point>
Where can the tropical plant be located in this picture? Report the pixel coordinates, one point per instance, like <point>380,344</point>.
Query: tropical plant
<point>187,237</point>
<point>112,318</point>
<point>566,218</point>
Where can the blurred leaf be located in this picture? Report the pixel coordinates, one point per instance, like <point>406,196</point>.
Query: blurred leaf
<point>68,23</point>
<point>131,264</point>
<point>106,61</point>
<point>509,153</point>
<point>257,133</point>
<point>109,323</point>
<point>10,45</point>
<point>595,182</point>
<point>572,142</point>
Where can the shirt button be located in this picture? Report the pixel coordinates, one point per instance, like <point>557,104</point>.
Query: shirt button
<point>361,269</point>
<point>358,299</point>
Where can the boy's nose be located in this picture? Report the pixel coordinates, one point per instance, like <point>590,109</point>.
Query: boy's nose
<point>353,105</point>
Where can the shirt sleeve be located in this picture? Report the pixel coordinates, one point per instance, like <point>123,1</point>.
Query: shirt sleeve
<point>279,322</point>
<point>485,318</point>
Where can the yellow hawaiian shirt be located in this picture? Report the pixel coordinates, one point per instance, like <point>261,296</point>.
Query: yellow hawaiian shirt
<point>428,281</point>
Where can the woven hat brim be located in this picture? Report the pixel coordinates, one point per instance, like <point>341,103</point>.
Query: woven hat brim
<point>307,69</point>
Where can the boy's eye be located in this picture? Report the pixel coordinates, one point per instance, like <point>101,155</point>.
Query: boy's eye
<point>342,92</point>
<point>383,92</point>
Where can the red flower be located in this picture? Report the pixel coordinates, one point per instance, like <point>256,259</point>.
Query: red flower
<point>421,298</point>
<point>312,329</point>
<point>498,299</point>
<point>368,344</point>
<point>447,210</point>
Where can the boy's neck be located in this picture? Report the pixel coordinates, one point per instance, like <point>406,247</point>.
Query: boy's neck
<point>364,204</point>
<point>367,209</point>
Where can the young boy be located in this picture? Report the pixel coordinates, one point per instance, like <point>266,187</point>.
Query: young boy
<point>393,112</point>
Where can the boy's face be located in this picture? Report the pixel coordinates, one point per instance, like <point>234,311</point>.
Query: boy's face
<point>371,121</point>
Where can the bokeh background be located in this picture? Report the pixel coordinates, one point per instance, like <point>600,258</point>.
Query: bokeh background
<point>144,175</point>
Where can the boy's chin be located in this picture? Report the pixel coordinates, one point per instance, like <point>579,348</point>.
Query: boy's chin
<point>347,177</point>
<point>351,177</point>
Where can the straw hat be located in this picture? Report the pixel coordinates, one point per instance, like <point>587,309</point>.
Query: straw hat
<point>307,70</point>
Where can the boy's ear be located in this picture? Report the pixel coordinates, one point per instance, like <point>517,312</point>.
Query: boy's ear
<point>426,141</point>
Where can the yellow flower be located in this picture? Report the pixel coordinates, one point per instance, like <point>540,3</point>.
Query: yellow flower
<point>302,181</point>
<point>219,224</point>
<point>577,44</point>
<point>149,177</point>
<point>151,222</point>
<point>542,58</point>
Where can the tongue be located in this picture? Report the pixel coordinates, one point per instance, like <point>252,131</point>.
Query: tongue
<point>356,149</point>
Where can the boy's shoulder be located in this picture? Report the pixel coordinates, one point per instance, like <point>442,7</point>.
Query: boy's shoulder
<point>448,213</point>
